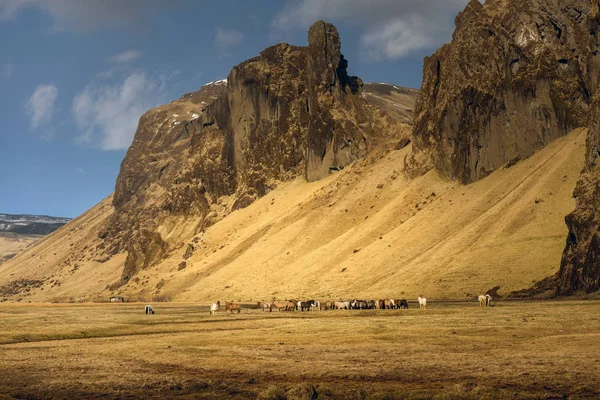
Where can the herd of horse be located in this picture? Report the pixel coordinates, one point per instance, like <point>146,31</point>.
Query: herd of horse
<point>312,305</point>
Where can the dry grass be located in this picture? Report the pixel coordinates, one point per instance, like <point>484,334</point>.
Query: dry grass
<point>11,244</point>
<point>452,350</point>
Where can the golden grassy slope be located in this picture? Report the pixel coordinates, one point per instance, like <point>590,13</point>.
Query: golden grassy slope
<point>300,240</point>
<point>348,236</point>
<point>60,259</point>
<point>12,243</point>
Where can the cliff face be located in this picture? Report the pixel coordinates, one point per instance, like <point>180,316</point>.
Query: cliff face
<point>580,266</point>
<point>516,76</point>
<point>512,80</point>
<point>290,111</point>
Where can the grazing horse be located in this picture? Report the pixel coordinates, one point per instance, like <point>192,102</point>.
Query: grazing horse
<point>371,304</point>
<point>279,305</point>
<point>264,306</point>
<point>316,305</point>
<point>328,305</point>
<point>341,305</point>
<point>233,306</point>
<point>381,304</point>
<point>359,305</point>
<point>291,305</point>
<point>422,302</point>
<point>149,309</point>
<point>388,304</point>
<point>488,300</point>
<point>306,305</point>
<point>403,303</point>
<point>214,307</point>
<point>482,301</point>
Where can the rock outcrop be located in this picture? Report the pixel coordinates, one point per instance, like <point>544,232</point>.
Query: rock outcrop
<point>292,111</point>
<point>580,266</point>
<point>517,75</point>
<point>513,79</point>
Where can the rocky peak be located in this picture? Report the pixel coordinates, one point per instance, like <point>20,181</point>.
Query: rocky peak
<point>580,266</point>
<point>512,80</point>
<point>517,75</point>
<point>291,111</point>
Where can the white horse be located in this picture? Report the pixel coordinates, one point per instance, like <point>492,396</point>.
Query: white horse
<point>482,300</point>
<point>485,300</point>
<point>422,302</point>
<point>317,305</point>
<point>341,305</point>
<point>148,309</point>
<point>214,307</point>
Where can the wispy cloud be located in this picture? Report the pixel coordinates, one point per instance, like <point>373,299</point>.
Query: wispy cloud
<point>40,105</point>
<point>80,170</point>
<point>392,29</point>
<point>85,16</point>
<point>107,115</point>
<point>225,38</point>
<point>6,71</point>
<point>125,57</point>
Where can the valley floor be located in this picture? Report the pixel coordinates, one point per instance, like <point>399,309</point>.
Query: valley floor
<point>452,350</point>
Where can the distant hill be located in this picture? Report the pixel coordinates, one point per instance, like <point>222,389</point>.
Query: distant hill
<point>17,232</point>
<point>30,224</point>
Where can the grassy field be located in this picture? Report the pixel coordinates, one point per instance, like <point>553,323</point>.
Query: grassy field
<point>452,350</point>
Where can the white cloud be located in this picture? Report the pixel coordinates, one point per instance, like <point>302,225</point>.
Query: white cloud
<point>228,38</point>
<point>125,57</point>
<point>399,38</point>
<point>40,106</point>
<point>87,15</point>
<point>6,71</point>
<point>10,8</point>
<point>107,115</point>
<point>392,28</point>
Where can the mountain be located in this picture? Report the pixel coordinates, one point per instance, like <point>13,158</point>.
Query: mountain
<point>20,231</point>
<point>290,112</point>
<point>510,82</point>
<point>30,224</point>
<point>294,179</point>
<point>517,76</point>
<point>580,266</point>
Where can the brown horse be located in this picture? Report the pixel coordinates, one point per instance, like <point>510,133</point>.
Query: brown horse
<point>264,306</point>
<point>233,306</point>
<point>279,305</point>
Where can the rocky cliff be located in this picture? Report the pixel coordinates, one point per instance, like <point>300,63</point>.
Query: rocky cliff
<point>513,79</point>
<point>516,76</point>
<point>580,266</point>
<point>292,111</point>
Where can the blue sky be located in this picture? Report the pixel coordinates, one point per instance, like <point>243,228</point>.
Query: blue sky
<point>75,76</point>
